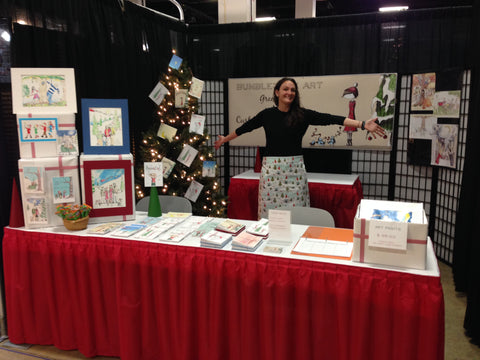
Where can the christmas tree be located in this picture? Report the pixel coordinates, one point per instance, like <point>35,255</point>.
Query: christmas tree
<point>178,138</point>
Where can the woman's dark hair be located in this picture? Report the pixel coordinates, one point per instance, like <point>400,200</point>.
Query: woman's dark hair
<point>295,115</point>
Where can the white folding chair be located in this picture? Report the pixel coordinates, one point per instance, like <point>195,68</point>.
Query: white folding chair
<point>167,203</point>
<point>310,216</point>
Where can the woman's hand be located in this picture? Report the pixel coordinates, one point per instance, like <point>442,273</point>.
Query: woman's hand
<point>373,126</point>
<point>219,142</point>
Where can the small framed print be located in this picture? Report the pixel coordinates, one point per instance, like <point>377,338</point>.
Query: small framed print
<point>34,179</point>
<point>105,126</point>
<point>43,91</point>
<point>37,129</point>
<point>108,186</point>
<point>67,142</point>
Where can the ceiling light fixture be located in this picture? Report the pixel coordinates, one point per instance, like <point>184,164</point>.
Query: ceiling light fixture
<point>393,8</point>
<point>267,18</point>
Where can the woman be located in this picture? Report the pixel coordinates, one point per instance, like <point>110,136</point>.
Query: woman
<point>283,180</point>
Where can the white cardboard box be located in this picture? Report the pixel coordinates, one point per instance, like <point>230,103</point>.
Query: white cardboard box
<point>108,186</point>
<point>46,183</point>
<point>37,135</point>
<point>413,256</point>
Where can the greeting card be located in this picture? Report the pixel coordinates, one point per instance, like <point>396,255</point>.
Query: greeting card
<point>67,142</point>
<point>181,98</point>
<point>187,155</point>
<point>194,191</point>
<point>33,178</point>
<point>167,132</point>
<point>208,169</point>
<point>196,88</point>
<point>153,172</point>
<point>62,187</point>
<point>197,124</point>
<point>158,93</point>
<point>175,62</point>
<point>168,166</point>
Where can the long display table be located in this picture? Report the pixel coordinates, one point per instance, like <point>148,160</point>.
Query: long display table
<point>144,300</point>
<point>339,194</point>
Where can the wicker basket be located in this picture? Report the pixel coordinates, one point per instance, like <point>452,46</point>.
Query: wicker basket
<point>78,224</point>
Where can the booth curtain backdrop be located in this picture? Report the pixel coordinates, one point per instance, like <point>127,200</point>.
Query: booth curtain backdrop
<point>120,53</point>
<point>466,267</point>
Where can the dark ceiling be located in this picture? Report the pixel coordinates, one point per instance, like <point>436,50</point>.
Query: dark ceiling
<point>206,11</point>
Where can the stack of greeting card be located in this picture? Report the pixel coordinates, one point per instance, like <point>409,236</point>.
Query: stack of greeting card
<point>215,239</point>
<point>246,242</point>
<point>44,101</point>
<point>106,165</point>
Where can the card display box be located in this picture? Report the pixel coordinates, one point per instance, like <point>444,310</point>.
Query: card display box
<point>37,135</point>
<point>108,186</point>
<point>37,177</point>
<point>417,232</point>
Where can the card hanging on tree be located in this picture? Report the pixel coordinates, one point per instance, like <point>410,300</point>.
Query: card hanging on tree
<point>193,191</point>
<point>208,169</point>
<point>197,124</point>
<point>153,174</point>
<point>181,98</point>
<point>175,62</point>
<point>158,93</point>
<point>167,166</point>
<point>187,155</point>
<point>166,132</point>
<point>67,142</point>
<point>196,88</point>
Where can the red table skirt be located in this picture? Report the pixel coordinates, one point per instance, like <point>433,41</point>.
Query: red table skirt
<point>340,200</point>
<point>140,300</point>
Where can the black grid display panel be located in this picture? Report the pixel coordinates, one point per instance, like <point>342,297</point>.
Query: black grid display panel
<point>212,106</point>
<point>372,168</point>
<point>449,185</point>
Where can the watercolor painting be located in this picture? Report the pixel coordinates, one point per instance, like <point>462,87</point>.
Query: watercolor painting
<point>105,126</point>
<point>37,129</point>
<point>108,188</point>
<point>447,104</point>
<point>62,187</point>
<point>43,90</point>
<point>36,210</point>
<point>423,91</point>
<point>33,179</point>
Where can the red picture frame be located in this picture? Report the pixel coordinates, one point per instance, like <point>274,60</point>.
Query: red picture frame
<point>121,163</point>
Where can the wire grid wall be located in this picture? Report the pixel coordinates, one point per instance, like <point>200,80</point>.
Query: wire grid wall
<point>409,183</point>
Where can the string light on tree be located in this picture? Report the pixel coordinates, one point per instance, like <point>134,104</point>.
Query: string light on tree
<point>174,113</point>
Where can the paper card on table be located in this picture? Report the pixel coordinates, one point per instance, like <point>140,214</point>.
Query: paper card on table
<point>153,174</point>
<point>208,169</point>
<point>158,93</point>
<point>197,124</point>
<point>388,235</point>
<point>196,88</point>
<point>181,98</point>
<point>194,191</point>
<point>166,132</point>
<point>175,62</point>
<point>187,155</point>
<point>62,189</point>
<point>103,229</point>
<point>279,226</point>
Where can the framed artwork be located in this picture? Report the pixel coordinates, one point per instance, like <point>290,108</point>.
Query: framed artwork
<point>105,126</point>
<point>37,129</point>
<point>43,91</point>
<point>108,186</point>
<point>62,189</point>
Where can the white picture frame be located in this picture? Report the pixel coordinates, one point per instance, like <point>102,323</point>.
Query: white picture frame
<point>43,91</point>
